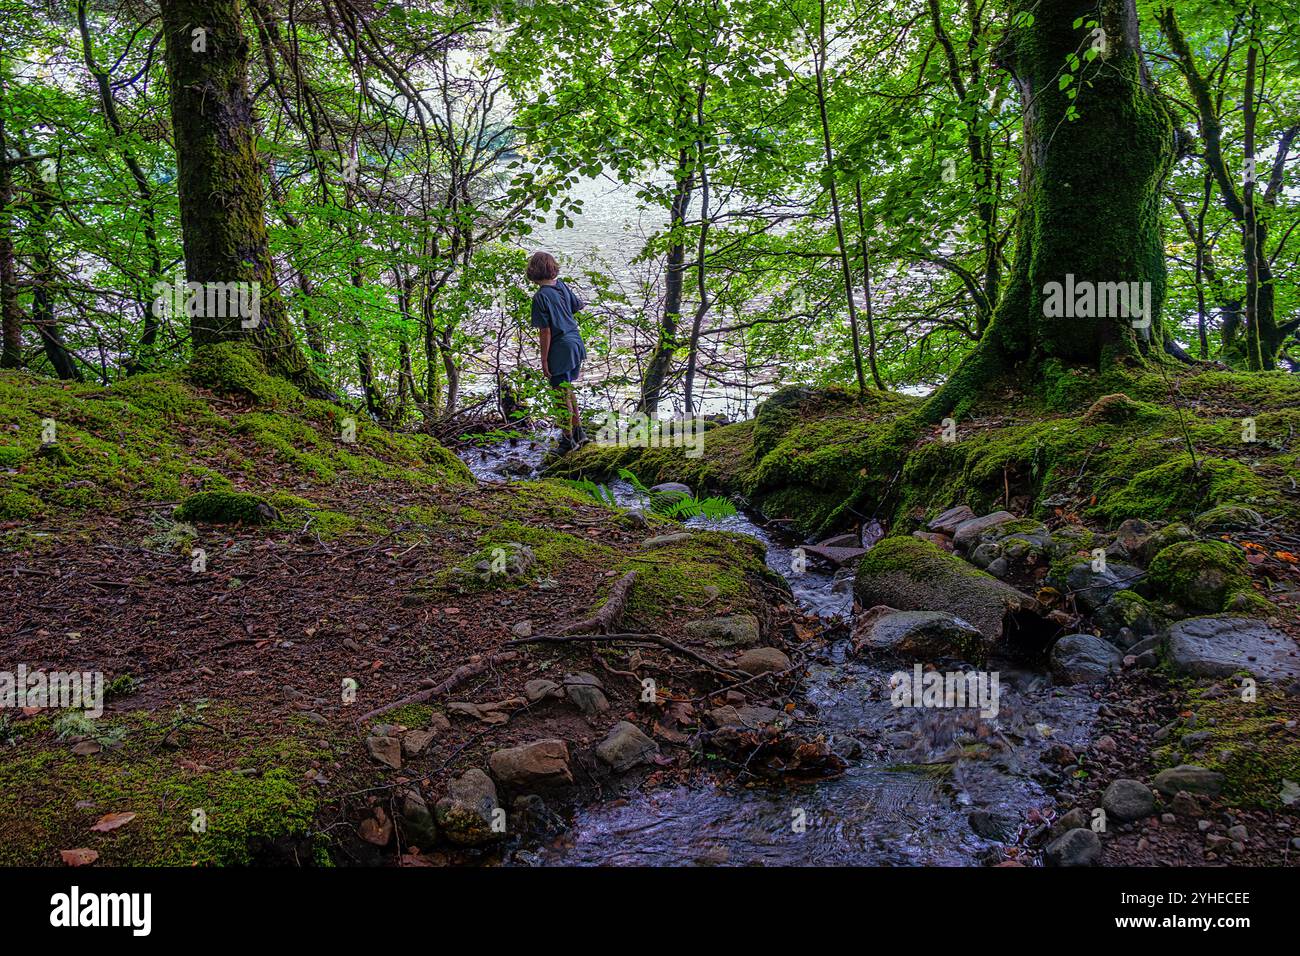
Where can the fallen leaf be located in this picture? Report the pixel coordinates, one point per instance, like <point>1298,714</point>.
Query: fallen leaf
<point>112,821</point>
<point>79,857</point>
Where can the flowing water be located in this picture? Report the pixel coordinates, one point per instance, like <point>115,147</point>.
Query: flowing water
<point>906,800</point>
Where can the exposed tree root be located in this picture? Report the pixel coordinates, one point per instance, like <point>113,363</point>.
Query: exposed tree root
<point>610,613</point>
<point>458,676</point>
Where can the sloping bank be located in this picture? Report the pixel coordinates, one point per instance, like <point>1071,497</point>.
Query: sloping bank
<point>250,577</point>
<point>1105,448</point>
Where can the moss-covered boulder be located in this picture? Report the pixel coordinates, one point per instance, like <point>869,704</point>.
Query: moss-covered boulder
<point>1199,575</point>
<point>1127,609</point>
<point>909,574</point>
<point>1229,518</point>
<point>226,507</point>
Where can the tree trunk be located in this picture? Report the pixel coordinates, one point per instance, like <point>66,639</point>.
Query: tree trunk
<point>661,360</point>
<point>144,190</point>
<point>220,182</point>
<point>11,317</point>
<point>43,278</point>
<point>1090,199</point>
<point>845,271</point>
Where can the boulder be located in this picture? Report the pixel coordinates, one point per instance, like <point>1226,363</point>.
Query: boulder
<point>671,487</point>
<point>587,693</point>
<point>907,574</point>
<point>1083,658</point>
<point>1072,820</point>
<point>1199,575</point>
<point>1229,518</point>
<point>762,660</point>
<point>1126,800</point>
<point>465,815</point>
<point>968,532</point>
<point>417,821</point>
<point>542,765</point>
<point>1092,589</point>
<point>919,636</point>
<point>540,689</point>
<point>1078,847</point>
<point>1128,610</point>
<point>1130,538</point>
<point>1220,645</point>
<point>387,750</point>
<point>1170,534</point>
<point>935,538</point>
<point>948,522</point>
<point>992,825</point>
<point>735,630</point>
<point>625,747</point>
<point>1190,779</point>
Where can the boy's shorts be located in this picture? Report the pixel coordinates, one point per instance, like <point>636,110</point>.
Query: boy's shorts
<point>571,375</point>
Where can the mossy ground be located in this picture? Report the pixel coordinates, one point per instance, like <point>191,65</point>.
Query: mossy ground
<point>1106,447</point>
<point>1250,743</point>
<point>254,801</point>
<point>325,561</point>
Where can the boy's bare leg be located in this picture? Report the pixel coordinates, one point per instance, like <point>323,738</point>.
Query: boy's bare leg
<point>571,399</point>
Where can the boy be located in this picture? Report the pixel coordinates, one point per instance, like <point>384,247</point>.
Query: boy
<point>559,338</point>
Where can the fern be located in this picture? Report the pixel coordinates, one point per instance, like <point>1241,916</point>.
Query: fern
<point>681,506</point>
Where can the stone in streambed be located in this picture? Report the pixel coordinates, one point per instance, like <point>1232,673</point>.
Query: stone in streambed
<point>969,531</point>
<point>541,689</point>
<point>1126,800</point>
<point>919,636</point>
<point>1083,658</point>
<point>417,821</point>
<point>587,692</point>
<point>465,814</point>
<point>1078,847</point>
<point>907,574</point>
<point>625,747</point>
<point>387,750</point>
<point>1092,589</point>
<point>1190,779</point>
<point>948,522</point>
<point>542,765</point>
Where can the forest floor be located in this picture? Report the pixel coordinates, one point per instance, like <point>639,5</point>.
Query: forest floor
<point>224,685</point>
<point>230,734</point>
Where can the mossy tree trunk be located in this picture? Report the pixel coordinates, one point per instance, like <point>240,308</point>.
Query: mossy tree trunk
<point>220,179</point>
<point>1092,169</point>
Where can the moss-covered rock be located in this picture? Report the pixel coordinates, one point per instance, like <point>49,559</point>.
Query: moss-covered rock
<point>1199,575</point>
<point>909,574</point>
<point>1229,518</point>
<point>226,507</point>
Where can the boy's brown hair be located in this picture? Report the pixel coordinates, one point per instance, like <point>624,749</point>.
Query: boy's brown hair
<point>542,266</point>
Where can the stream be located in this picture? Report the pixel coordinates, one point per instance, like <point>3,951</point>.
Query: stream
<point>905,800</point>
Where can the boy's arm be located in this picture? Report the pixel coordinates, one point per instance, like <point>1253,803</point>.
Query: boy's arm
<point>543,334</point>
<point>575,304</point>
<point>544,343</point>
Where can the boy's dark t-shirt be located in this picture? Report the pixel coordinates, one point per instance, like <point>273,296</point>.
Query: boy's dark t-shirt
<point>553,308</point>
